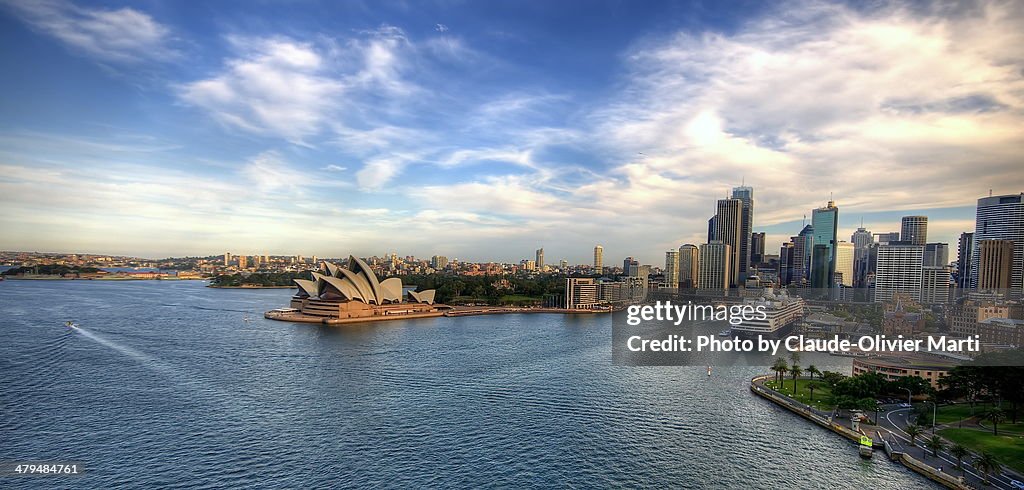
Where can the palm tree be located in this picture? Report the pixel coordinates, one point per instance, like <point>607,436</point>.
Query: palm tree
<point>987,464</point>
<point>782,376</point>
<point>958,451</point>
<point>779,367</point>
<point>811,386</point>
<point>813,370</point>
<point>936,444</point>
<point>913,430</point>
<point>796,372</point>
<point>996,415</point>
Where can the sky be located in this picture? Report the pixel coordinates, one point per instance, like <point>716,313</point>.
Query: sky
<point>485,130</point>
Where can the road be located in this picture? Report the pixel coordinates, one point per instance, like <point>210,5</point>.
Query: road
<point>896,419</point>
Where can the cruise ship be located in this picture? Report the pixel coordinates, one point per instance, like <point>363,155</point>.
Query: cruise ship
<point>782,312</point>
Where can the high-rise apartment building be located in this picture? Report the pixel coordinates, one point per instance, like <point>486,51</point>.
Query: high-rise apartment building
<point>714,266</point>
<point>540,258</point>
<point>995,264</point>
<point>1001,218</point>
<point>745,194</point>
<point>242,262</point>
<point>689,263</point>
<point>438,262</point>
<point>898,269</point>
<point>826,226</point>
<point>227,258</point>
<point>728,230</point>
<point>914,229</point>
<point>672,268</point>
<point>757,248</point>
<point>598,259</point>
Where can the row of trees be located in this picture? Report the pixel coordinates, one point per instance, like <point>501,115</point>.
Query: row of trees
<point>993,378</point>
<point>258,279</point>
<point>849,392</point>
<point>486,288</point>
<point>50,269</point>
<point>986,462</point>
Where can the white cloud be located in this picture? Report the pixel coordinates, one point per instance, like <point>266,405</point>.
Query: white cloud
<point>123,35</point>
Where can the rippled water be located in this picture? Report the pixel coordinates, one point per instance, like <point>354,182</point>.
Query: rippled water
<point>166,385</point>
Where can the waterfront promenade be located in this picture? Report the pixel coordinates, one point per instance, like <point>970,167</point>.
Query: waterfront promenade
<point>890,439</point>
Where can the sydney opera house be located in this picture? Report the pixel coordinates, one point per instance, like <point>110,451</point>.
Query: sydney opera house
<point>354,292</point>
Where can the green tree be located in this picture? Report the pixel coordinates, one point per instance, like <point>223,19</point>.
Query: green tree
<point>988,465</point>
<point>959,452</point>
<point>811,386</point>
<point>913,430</point>
<point>813,370</point>
<point>780,368</point>
<point>995,415</point>
<point>796,372</point>
<point>936,444</point>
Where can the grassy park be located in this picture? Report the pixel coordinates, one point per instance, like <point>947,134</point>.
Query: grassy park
<point>822,394</point>
<point>1008,449</point>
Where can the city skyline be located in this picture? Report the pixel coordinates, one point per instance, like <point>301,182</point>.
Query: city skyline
<point>163,129</point>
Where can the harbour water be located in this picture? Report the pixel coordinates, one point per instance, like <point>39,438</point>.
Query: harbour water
<point>171,384</point>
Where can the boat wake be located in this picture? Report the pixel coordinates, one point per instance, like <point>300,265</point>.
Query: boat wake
<point>114,345</point>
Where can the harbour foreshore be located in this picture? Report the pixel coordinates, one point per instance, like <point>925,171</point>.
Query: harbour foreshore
<point>294,316</point>
<point>892,450</point>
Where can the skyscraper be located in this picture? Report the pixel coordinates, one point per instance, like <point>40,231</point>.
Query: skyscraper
<point>844,264</point>
<point>689,263</point>
<point>936,254</point>
<point>826,226</point>
<point>803,245</point>
<point>712,224</point>
<point>672,268</point>
<point>995,267</point>
<point>964,259</point>
<point>598,259</point>
<point>631,267</point>
<point>786,259</point>
<point>714,266</point>
<point>728,228</point>
<point>540,258</point>
<point>746,196</point>
<point>862,240</point>
<point>892,236</point>
<point>756,248</point>
<point>914,230</point>
<point>1001,218</point>
<point>898,270</point>
<point>242,263</point>
<point>227,258</point>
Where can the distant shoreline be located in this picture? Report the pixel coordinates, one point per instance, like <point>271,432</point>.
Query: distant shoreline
<point>17,278</point>
<point>254,286</point>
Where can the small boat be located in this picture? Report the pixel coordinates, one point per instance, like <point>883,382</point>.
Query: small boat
<point>70,324</point>
<point>709,370</point>
<point>866,452</point>
<point>725,333</point>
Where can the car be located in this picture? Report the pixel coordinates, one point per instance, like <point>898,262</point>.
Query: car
<point>1017,484</point>
<point>905,405</point>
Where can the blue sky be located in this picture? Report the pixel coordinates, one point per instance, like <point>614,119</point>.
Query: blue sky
<point>483,130</point>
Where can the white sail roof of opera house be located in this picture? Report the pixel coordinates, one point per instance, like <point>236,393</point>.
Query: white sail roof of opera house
<point>356,282</point>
